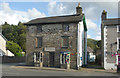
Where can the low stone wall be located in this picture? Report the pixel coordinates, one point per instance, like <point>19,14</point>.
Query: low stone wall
<point>13,59</point>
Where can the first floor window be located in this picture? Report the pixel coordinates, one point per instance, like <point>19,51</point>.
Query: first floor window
<point>65,41</point>
<point>38,42</point>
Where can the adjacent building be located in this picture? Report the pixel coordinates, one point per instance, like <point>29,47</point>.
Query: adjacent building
<point>110,36</point>
<point>2,45</point>
<point>91,57</point>
<point>59,41</point>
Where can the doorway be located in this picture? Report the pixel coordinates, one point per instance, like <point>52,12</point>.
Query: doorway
<point>51,58</point>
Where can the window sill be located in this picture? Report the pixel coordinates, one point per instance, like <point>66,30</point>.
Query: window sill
<point>64,47</point>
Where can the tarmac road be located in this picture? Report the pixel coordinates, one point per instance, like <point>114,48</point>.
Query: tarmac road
<point>8,70</point>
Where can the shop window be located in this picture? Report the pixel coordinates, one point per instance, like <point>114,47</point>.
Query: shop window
<point>119,28</point>
<point>65,58</point>
<point>65,41</point>
<point>66,27</point>
<point>38,42</point>
<point>119,43</point>
<point>38,57</point>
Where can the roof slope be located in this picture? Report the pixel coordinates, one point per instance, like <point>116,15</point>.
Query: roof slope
<point>3,36</point>
<point>56,19</point>
<point>113,21</point>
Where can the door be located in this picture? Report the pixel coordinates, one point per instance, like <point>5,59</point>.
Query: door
<point>51,58</point>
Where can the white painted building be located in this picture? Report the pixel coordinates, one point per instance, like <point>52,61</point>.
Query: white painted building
<point>110,36</point>
<point>3,50</point>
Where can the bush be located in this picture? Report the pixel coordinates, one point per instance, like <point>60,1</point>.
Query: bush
<point>14,48</point>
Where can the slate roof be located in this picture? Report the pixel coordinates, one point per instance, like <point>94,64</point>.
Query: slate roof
<point>89,49</point>
<point>56,19</point>
<point>113,21</point>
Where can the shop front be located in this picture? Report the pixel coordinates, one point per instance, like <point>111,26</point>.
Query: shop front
<point>65,60</point>
<point>38,59</point>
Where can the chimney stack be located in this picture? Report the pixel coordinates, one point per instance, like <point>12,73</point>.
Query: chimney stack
<point>104,15</point>
<point>78,9</point>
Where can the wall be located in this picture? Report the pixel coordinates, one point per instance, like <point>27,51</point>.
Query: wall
<point>12,59</point>
<point>52,39</point>
<point>2,44</point>
<point>110,38</point>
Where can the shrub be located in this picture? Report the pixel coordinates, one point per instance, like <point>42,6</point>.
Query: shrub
<point>14,48</point>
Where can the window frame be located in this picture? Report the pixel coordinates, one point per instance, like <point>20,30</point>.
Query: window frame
<point>39,28</point>
<point>65,27</point>
<point>38,42</point>
<point>64,58</point>
<point>62,41</point>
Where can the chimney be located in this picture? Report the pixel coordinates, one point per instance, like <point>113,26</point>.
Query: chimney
<point>104,15</point>
<point>78,9</point>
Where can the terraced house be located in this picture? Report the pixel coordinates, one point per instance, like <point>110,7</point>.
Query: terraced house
<point>110,36</point>
<point>59,41</point>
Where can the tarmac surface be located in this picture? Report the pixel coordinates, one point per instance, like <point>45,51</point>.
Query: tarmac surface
<point>15,69</point>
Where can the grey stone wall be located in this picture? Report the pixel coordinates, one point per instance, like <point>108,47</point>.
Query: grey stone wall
<point>51,36</point>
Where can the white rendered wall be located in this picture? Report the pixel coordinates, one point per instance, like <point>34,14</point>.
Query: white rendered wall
<point>107,65</point>
<point>2,44</point>
<point>80,44</point>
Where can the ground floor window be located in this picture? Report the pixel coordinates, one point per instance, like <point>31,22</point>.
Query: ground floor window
<point>38,57</point>
<point>64,58</point>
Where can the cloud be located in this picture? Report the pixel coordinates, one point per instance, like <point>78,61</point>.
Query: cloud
<point>15,16</point>
<point>98,38</point>
<point>88,36</point>
<point>91,25</point>
<point>57,9</point>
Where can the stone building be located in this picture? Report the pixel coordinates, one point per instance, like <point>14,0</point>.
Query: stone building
<point>59,41</point>
<point>110,36</point>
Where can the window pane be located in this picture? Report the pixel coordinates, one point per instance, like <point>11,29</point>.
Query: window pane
<point>39,41</point>
<point>39,29</point>
<point>65,41</point>
<point>119,28</point>
<point>119,43</point>
<point>65,27</point>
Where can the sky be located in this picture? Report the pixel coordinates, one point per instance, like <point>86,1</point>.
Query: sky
<point>13,12</point>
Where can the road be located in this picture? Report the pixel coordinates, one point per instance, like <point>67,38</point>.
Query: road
<point>8,71</point>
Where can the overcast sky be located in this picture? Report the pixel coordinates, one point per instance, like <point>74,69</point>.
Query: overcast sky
<point>13,12</point>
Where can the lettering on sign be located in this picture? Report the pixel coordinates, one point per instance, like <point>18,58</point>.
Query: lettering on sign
<point>49,49</point>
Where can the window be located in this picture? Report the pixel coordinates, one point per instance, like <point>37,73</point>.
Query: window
<point>38,57</point>
<point>119,43</point>
<point>64,58</point>
<point>119,28</point>
<point>65,41</point>
<point>38,42</point>
<point>39,29</point>
<point>66,27</point>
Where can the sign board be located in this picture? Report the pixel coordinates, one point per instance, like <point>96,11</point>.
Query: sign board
<point>49,49</point>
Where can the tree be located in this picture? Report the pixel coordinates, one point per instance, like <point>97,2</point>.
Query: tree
<point>14,48</point>
<point>15,33</point>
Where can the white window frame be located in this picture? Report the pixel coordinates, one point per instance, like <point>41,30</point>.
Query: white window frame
<point>118,28</point>
<point>63,58</point>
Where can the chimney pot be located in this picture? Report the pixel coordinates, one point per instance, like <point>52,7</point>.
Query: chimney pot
<point>104,15</point>
<point>78,9</point>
